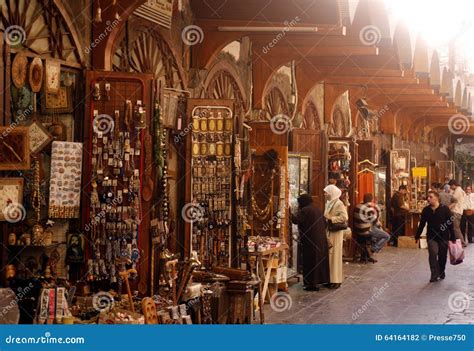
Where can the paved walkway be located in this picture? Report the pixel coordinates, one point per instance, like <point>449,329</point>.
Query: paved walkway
<point>395,290</point>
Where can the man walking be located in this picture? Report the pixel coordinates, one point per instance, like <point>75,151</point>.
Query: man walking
<point>457,208</point>
<point>440,230</point>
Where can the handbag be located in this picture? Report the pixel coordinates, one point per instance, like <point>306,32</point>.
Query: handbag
<point>456,252</point>
<point>335,227</point>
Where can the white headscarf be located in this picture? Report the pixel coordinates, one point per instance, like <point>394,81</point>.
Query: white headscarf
<point>334,194</point>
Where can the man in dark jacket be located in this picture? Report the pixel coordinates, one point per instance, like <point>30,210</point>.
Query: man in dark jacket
<point>312,231</point>
<point>440,230</point>
<point>399,214</point>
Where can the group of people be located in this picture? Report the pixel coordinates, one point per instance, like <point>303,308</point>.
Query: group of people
<point>322,236</point>
<point>449,215</point>
<point>461,204</point>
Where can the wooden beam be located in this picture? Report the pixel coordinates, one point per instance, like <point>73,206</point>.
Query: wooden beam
<point>372,81</point>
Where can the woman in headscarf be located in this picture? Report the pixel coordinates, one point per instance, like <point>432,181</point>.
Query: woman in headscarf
<point>311,227</point>
<point>336,213</point>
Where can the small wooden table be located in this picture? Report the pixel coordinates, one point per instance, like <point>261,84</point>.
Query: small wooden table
<point>260,256</point>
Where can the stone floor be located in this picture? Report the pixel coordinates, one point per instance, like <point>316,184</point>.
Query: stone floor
<point>395,290</point>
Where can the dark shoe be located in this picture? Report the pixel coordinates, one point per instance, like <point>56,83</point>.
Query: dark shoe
<point>434,279</point>
<point>335,286</point>
<point>310,288</point>
<point>442,275</point>
<point>373,260</point>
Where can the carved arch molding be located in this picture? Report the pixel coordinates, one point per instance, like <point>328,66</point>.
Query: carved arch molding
<point>42,27</point>
<point>141,48</point>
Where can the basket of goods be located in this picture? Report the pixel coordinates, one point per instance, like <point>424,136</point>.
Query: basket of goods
<point>121,316</point>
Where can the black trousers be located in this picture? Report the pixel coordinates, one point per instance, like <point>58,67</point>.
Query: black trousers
<point>438,254</point>
<point>467,227</point>
<point>398,229</point>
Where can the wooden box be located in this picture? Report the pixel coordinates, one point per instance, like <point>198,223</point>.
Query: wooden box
<point>407,242</point>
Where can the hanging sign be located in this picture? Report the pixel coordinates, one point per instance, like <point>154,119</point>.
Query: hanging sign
<point>419,172</point>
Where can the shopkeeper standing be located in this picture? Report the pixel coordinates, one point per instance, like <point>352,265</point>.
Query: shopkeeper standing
<point>399,210</point>
<point>467,220</point>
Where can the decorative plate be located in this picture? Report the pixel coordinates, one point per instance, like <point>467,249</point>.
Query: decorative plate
<point>19,70</point>
<point>35,75</point>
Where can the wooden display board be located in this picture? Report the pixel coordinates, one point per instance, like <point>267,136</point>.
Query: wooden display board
<point>123,86</point>
<point>204,151</point>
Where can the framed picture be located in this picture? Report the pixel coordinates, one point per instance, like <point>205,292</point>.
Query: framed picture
<point>14,149</point>
<point>39,136</point>
<point>60,102</point>
<point>52,76</point>
<point>66,180</point>
<point>170,109</point>
<point>11,199</point>
<point>75,248</point>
